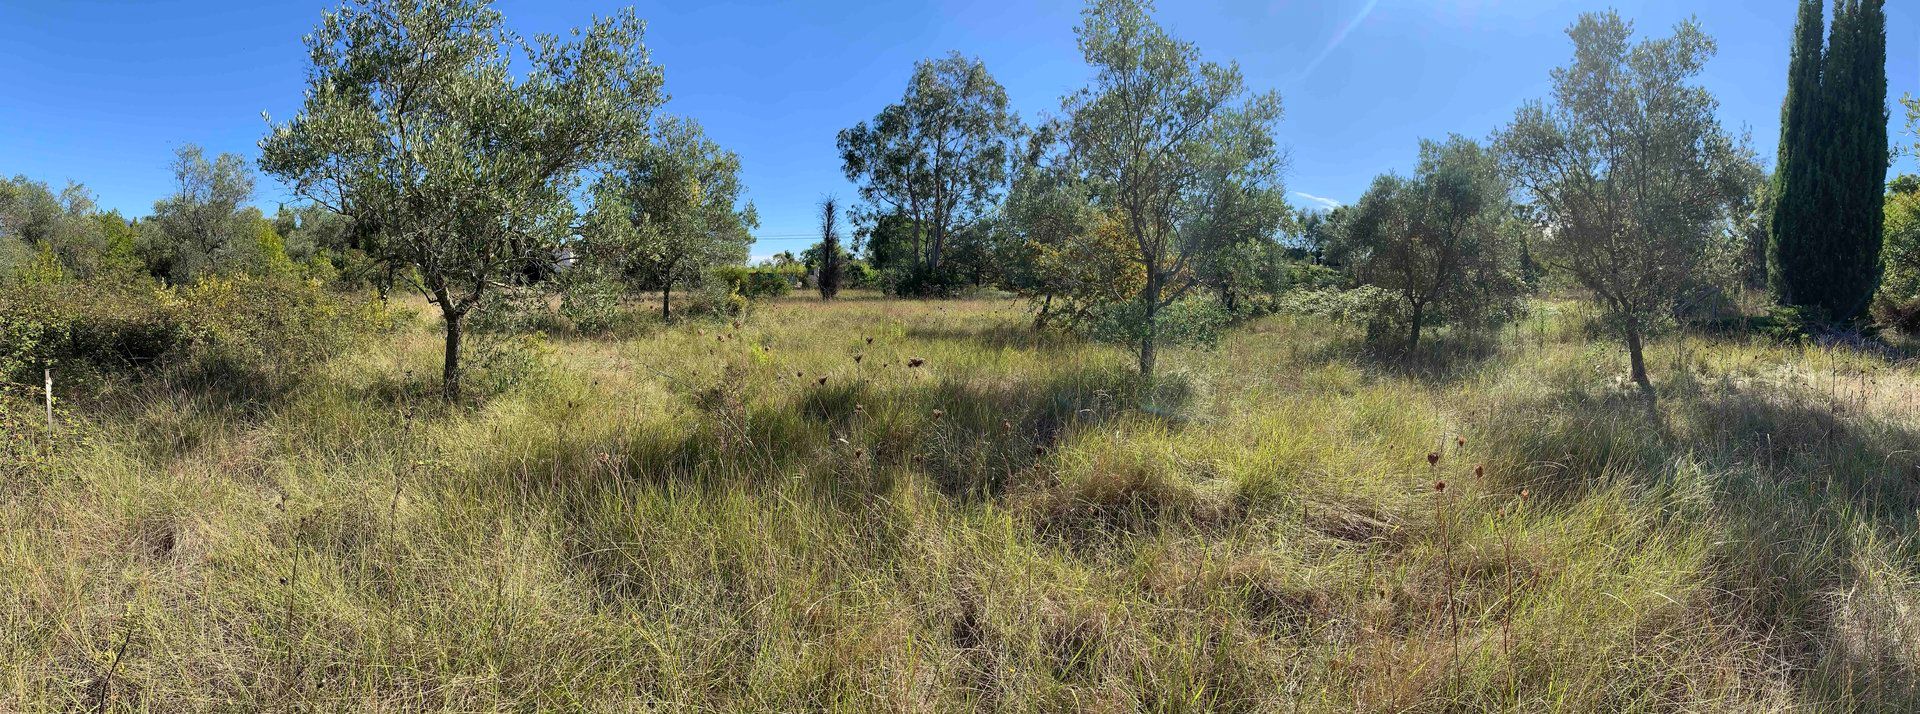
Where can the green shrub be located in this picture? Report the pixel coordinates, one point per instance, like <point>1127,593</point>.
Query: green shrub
<point>502,362</point>
<point>85,332</point>
<point>756,283</point>
<point>1192,320</point>
<point>512,311</point>
<point>89,332</point>
<point>714,298</point>
<point>593,306</point>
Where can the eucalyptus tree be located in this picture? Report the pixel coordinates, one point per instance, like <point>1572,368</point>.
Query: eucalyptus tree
<point>668,211</point>
<point>938,158</point>
<point>1437,240</point>
<point>1630,169</point>
<point>417,126</point>
<point>1164,141</point>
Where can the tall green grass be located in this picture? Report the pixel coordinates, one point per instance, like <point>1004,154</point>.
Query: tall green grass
<point>692,521</point>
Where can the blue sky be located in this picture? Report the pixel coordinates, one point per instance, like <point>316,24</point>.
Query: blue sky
<point>102,92</point>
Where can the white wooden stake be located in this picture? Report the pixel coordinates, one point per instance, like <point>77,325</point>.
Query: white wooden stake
<point>49,401</point>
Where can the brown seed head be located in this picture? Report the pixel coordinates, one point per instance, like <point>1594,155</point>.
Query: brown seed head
<point>1433,457</point>
<point>857,358</point>
<point>938,413</point>
<point>1460,441</point>
<point>915,362</point>
<point>1479,470</point>
<point>1439,486</point>
<point>823,381</point>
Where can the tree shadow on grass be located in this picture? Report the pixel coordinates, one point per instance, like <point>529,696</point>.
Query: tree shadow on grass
<point>972,436</point>
<point>968,436</point>
<point>1798,487</point>
<point>1441,359</point>
<point>997,336</point>
<point>842,447</point>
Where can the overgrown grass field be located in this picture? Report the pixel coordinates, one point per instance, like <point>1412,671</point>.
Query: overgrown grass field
<point>873,505</point>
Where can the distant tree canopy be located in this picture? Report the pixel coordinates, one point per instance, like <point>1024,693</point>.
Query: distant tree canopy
<point>930,165</point>
<point>1437,240</point>
<point>415,127</point>
<point>201,225</point>
<point>43,231</point>
<point>1630,168</point>
<point>1827,214</point>
<point>668,211</point>
<point>1063,252</point>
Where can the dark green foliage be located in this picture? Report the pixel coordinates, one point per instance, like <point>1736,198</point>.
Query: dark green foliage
<point>1824,252</point>
<point>1439,240</point>
<point>92,334</point>
<point>929,167</point>
<point>755,283</point>
<point>1898,304</point>
<point>831,256</point>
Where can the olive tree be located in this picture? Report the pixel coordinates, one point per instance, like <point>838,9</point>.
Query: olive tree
<point>668,211</point>
<point>201,226</point>
<point>1630,168</point>
<point>58,229</point>
<point>1165,142</point>
<point>456,141</point>
<point>1436,240</point>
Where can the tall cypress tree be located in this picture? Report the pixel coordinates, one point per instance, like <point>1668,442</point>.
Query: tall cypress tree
<point>1824,251</point>
<point>1793,260</point>
<point>1854,88</point>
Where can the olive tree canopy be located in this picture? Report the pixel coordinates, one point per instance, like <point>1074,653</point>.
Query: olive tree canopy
<point>1630,167</point>
<point>456,141</point>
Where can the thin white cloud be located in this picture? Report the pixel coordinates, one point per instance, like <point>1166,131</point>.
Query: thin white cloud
<point>1339,37</point>
<point>1322,200</point>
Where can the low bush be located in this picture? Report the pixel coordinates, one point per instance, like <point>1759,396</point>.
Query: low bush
<point>93,333</point>
<point>756,283</point>
<point>1192,320</point>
